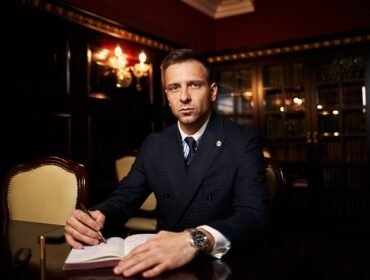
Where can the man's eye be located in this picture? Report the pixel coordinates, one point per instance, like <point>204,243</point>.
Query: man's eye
<point>195,85</point>
<point>173,88</point>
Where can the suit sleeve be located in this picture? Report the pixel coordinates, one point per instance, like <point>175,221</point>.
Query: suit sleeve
<point>127,198</point>
<point>249,219</point>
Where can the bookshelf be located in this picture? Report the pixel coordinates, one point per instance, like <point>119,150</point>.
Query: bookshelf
<point>312,112</point>
<point>341,113</point>
<point>284,116</point>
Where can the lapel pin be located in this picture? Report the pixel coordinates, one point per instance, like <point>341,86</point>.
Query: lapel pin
<point>218,143</point>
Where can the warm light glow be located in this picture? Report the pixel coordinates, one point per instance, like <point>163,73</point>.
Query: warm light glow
<point>282,109</point>
<point>325,113</point>
<point>298,101</point>
<point>142,57</point>
<point>247,94</point>
<point>335,112</point>
<point>336,134</point>
<point>118,51</point>
<point>119,64</point>
<point>319,107</point>
<point>363,96</point>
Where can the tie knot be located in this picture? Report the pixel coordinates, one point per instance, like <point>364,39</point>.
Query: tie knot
<point>191,143</point>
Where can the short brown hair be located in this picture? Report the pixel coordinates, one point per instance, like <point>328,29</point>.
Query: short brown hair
<point>182,55</point>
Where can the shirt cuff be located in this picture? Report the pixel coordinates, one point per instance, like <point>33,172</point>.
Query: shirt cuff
<point>222,244</point>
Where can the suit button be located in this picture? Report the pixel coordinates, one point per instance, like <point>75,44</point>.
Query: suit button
<point>210,197</point>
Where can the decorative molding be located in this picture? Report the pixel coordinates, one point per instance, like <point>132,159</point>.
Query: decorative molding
<point>94,22</point>
<point>217,9</point>
<point>289,49</point>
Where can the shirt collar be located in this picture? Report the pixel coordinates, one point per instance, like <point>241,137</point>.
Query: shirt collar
<point>196,135</point>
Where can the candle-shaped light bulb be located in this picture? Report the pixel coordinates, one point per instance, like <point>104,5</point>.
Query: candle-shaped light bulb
<point>142,57</point>
<point>118,51</point>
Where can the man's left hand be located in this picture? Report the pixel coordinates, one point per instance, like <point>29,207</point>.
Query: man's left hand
<point>164,251</point>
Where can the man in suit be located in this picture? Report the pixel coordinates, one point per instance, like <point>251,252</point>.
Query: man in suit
<point>215,202</point>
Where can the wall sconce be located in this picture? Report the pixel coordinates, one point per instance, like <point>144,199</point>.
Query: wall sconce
<point>118,64</point>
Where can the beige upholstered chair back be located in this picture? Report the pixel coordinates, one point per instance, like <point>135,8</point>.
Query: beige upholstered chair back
<point>123,166</point>
<point>44,191</point>
<point>146,221</point>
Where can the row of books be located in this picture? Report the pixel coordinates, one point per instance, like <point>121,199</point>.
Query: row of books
<point>274,126</point>
<point>329,123</point>
<point>342,69</point>
<point>297,152</point>
<point>283,75</point>
<point>295,127</point>
<point>349,179</point>
<point>292,127</point>
<point>350,205</point>
<point>231,81</point>
<point>354,122</point>
<point>355,150</point>
<point>328,95</point>
<point>352,94</point>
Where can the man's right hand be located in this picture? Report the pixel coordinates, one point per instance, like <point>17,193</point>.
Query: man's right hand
<point>81,229</point>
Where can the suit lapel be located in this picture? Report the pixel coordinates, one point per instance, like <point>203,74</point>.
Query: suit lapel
<point>209,146</point>
<point>174,159</point>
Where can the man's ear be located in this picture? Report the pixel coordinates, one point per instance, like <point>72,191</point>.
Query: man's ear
<point>213,91</point>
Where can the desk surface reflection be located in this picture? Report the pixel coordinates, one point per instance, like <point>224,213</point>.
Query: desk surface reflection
<point>307,257</point>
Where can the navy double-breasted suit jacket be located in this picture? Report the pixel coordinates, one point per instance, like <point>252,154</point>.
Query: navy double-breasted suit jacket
<point>224,187</point>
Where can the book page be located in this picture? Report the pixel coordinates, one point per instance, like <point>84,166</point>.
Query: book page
<point>136,239</point>
<point>113,249</point>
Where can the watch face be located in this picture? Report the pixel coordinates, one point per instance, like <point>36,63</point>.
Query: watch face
<point>200,239</point>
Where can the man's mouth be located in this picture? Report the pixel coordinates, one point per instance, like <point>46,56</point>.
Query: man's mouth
<point>186,110</point>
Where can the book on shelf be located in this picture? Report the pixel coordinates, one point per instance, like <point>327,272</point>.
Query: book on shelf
<point>104,254</point>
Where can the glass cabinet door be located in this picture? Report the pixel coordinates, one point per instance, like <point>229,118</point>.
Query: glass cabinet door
<point>236,95</point>
<point>285,118</point>
<point>342,137</point>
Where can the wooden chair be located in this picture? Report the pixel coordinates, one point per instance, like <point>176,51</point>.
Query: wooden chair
<point>276,186</point>
<point>275,179</point>
<point>146,220</point>
<point>44,191</point>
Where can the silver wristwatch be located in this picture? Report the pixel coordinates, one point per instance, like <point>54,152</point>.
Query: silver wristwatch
<point>198,239</point>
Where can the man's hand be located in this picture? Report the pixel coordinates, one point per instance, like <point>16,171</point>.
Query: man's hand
<point>82,229</point>
<point>164,251</point>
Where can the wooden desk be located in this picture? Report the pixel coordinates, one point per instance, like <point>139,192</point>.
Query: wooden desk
<point>293,257</point>
<point>18,234</point>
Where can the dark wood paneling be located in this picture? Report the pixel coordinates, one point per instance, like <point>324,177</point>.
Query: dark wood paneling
<point>48,106</point>
<point>29,136</point>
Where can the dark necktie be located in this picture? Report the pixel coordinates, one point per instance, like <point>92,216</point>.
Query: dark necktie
<point>190,141</point>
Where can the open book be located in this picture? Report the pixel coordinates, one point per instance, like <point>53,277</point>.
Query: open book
<point>104,254</point>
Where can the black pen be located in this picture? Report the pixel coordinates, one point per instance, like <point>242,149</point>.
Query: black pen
<point>83,208</point>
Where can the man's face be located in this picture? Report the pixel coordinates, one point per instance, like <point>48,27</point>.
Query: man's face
<point>189,94</point>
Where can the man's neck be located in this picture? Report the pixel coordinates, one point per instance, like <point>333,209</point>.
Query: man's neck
<point>196,132</point>
<point>192,129</point>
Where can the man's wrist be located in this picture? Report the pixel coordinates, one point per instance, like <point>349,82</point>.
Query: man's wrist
<point>201,239</point>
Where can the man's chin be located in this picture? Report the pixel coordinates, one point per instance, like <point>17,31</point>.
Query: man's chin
<point>186,119</point>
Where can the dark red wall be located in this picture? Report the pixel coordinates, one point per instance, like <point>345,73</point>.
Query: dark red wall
<point>277,21</point>
<point>170,20</point>
<point>273,21</point>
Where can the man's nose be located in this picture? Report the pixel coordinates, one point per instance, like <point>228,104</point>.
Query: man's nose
<point>184,94</point>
